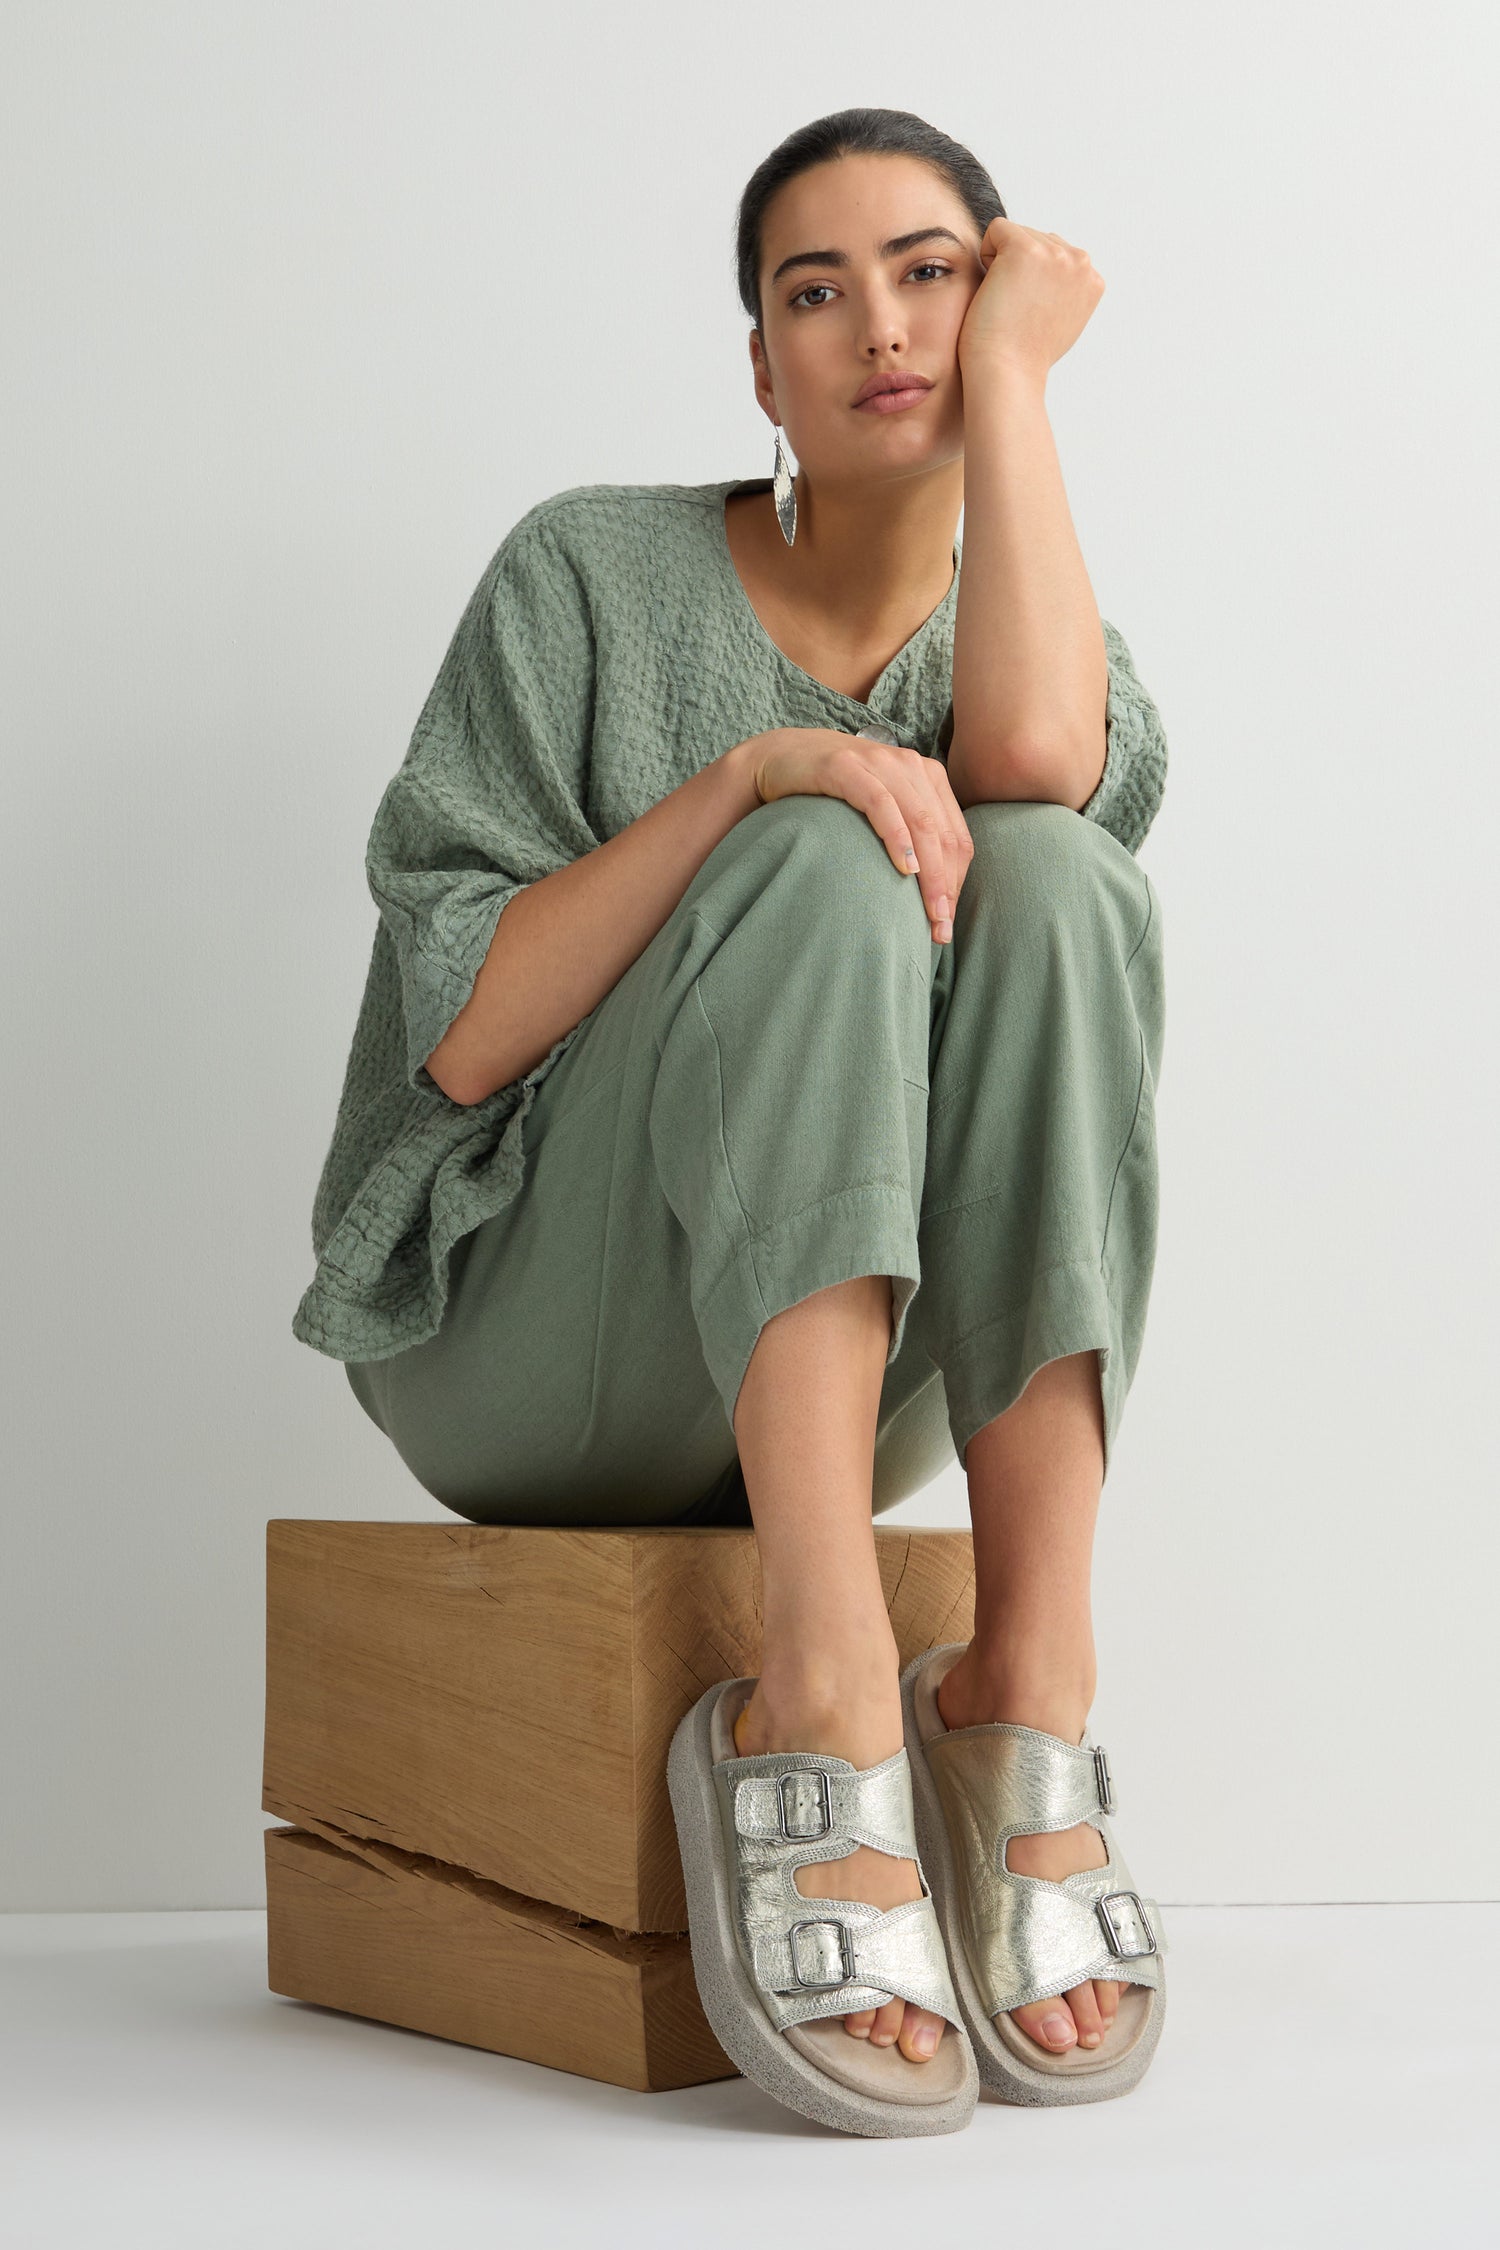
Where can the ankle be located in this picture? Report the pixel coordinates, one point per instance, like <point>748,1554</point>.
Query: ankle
<point>1055,1697</point>
<point>848,1705</point>
<point>810,1667</point>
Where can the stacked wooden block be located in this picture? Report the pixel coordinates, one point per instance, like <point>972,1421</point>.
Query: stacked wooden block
<point>466,1733</point>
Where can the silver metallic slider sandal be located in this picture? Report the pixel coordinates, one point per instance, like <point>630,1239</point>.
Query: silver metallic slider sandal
<point>777,1971</point>
<point>1014,1938</point>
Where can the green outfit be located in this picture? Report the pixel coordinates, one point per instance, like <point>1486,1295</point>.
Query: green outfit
<point>548,1299</point>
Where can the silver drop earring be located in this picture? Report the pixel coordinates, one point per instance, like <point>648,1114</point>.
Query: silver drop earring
<point>786,493</point>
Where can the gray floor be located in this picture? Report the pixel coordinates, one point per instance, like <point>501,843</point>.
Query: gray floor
<point>1327,2076</point>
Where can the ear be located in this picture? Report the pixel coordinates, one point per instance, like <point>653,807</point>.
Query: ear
<point>763,391</point>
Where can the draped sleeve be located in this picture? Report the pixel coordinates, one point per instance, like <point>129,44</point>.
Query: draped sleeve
<point>492,791</point>
<point>492,795</point>
<point>1131,787</point>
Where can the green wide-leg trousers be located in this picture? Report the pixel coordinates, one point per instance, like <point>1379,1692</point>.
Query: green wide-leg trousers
<point>792,1085</point>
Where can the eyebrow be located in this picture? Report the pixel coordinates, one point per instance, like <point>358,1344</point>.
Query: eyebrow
<point>891,249</point>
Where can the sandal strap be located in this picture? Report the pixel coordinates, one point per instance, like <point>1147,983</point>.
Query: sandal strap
<point>1021,1781</point>
<point>804,1797</point>
<point>1033,1939</point>
<point>1025,1937</point>
<point>809,1956</point>
<point>851,1957</point>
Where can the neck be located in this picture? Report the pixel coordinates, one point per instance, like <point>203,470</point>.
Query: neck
<point>866,555</point>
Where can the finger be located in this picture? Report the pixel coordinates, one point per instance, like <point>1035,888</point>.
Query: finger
<point>927,778</point>
<point>934,872</point>
<point>913,822</point>
<point>931,807</point>
<point>962,835</point>
<point>918,789</point>
<point>910,838</point>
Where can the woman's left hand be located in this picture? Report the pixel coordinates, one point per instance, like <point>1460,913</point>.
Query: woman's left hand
<point>1036,297</point>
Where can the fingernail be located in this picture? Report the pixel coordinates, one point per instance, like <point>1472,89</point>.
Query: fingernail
<point>1059,2029</point>
<point>926,2040</point>
<point>943,932</point>
<point>911,859</point>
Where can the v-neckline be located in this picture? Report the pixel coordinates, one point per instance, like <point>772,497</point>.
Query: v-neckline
<point>869,705</point>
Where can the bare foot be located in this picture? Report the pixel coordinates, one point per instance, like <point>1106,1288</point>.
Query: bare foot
<point>1083,2014</point>
<point>866,1732</point>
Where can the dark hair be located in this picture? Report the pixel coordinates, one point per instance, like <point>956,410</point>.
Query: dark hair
<point>854,132</point>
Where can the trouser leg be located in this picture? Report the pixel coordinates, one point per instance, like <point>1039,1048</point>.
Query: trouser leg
<point>1039,1225</point>
<point>788,1117</point>
<point>740,1123</point>
<point>793,1085</point>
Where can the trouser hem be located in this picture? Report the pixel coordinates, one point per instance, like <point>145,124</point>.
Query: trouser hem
<point>1067,1309</point>
<point>860,1230</point>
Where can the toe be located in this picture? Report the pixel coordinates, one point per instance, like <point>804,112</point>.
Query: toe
<point>921,2030</point>
<point>887,2023</point>
<point>1048,2021</point>
<point>1107,1995</point>
<point>861,2023</point>
<point>1086,2014</point>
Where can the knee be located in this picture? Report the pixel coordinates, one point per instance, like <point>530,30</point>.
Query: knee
<point>1037,863</point>
<point>839,865</point>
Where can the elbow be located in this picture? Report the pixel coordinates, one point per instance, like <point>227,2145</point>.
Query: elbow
<point>1055,773</point>
<point>1025,773</point>
<point>442,1069</point>
<point>469,1085</point>
<point>1087,771</point>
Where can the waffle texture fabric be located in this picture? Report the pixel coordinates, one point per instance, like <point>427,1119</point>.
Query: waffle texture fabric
<point>609,651</point>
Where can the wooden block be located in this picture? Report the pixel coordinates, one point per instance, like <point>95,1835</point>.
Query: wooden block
<point>388,1934</point>
<point>501,1699</point>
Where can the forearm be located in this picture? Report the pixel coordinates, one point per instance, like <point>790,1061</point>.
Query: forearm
<point>1030,675</point>
<point>565,941</point>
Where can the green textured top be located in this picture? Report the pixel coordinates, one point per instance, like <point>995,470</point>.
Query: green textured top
<point>609,651</point>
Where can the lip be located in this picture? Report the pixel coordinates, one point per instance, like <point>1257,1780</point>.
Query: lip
<point>891,380</point>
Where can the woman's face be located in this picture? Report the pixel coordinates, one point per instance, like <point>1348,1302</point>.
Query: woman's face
<point>838,304</point>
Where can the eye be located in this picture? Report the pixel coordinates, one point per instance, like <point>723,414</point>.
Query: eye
<point>932,266</point>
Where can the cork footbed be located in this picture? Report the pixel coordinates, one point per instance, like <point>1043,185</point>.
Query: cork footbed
<point>882,2073</point>
<point>1135,1999</point>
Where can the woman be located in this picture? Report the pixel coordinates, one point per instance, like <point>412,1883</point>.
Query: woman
<point>751,1105</point>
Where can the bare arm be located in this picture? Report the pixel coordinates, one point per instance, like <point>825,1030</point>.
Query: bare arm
<point>565,941</point>
<point>1030,675</point>
<point>1030,669</point>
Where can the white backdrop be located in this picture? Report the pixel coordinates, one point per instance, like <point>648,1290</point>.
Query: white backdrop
<point>306,305</point>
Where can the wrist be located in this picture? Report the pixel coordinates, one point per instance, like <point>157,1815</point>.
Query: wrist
<point>743,762</point>
<point>991,372</point>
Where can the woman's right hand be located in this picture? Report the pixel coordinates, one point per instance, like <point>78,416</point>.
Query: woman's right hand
<point>907,799</point>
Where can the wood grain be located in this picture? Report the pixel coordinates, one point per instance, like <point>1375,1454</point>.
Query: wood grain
<point>503,1699</point>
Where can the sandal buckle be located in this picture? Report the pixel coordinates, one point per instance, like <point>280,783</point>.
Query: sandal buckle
<point>846,1956</point>
<point>794,1813</point>
<point>1102,1781</point>
<point>1134,1912</point>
